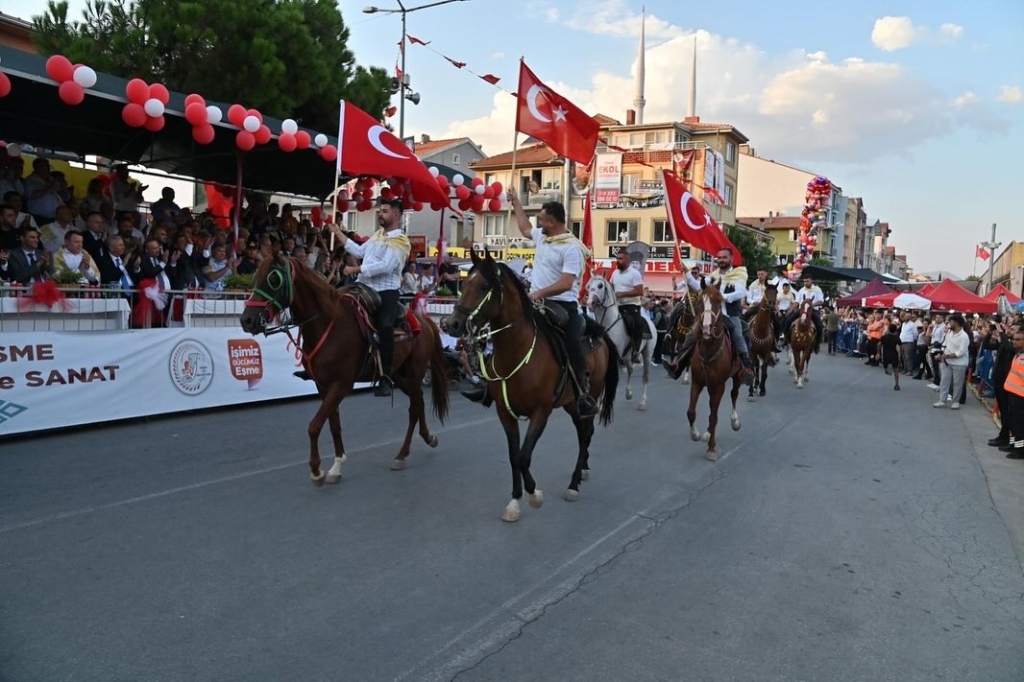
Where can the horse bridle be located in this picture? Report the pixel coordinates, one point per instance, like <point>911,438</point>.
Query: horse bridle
<point>604,305</point>
<point>279,278</point>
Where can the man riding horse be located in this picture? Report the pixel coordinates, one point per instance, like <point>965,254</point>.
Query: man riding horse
<point>733,284</point>
<point>755,292</point>
<point>809,293</point>
<point>628,284</point>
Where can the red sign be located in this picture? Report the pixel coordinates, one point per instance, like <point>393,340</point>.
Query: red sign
<point>419,245</point>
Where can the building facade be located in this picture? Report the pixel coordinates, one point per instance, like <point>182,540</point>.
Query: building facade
<point>1008,269</point>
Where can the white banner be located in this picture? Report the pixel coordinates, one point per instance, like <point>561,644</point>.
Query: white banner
<point>57,379</point>
<point>608,179</point>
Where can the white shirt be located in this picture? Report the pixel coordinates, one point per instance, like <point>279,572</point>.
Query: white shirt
<point>52,235</point>
<point>448,342</point>
<point>627,280</point>
<point>956,344</point>
<point>784,299</point>
<point>382,264</point>
<point>939,333</point>
<point>909,332</point>
<point>814,294</point>
<point>551,261</point>
<point>738,293</point>
<point>755,292</point>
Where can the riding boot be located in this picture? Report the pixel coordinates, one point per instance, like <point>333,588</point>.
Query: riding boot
<point>747,373</point>
<point>383,389</point>
<point>303,374</point>
<point>676,368</point>
<point>479,394</point>
<point>586,406</point>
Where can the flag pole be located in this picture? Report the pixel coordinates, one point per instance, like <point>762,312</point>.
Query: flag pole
<point>974,272</point>
<point>513,185</point>
<point>337,172</point>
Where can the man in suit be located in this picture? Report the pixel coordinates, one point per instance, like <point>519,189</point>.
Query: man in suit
<point>114,267</point>
<point>29,263</point>
<point>95,235</point>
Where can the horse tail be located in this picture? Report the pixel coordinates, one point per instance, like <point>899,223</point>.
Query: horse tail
<point>611,380</point>
<point>438,376</point>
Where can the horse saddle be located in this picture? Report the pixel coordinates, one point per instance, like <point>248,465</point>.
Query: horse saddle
<point>556,316</point>
<point>368,301</point>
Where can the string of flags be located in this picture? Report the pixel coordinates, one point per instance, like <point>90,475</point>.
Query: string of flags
<point>486,77</point>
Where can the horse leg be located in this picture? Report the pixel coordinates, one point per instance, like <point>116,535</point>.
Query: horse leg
<point>647,355</point>
<point>715,394</point>
<point>629,378</point>
<point>334,421</point>
<point>734,417</point>
<point>511,426</point>
<point>328,404</point>
<point>538,422</point>
<point>415,415</point>
<point>584,432</point>
<point>764,379</point>
<point>755,360</point>
<point>691,411</point>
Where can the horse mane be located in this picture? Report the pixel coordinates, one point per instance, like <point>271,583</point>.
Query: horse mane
<point>326,298</point>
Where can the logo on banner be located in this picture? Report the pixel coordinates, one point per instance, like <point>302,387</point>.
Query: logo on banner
<point>191,367</point>
<point>246,359</point>
<point>9,410</point>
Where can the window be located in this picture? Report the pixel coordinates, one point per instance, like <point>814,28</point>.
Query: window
<point>663,232</point>
<point>636,140</point>
<point>621,231</point>
<point>456,160</point>
<point>576,227</point>
<point>727,195</point>
<point>730,152</point>
<point>551,179</point>
<point>494,225</point>
<point>631,182</point>
<point>792,235</point>
<point>489,179</point>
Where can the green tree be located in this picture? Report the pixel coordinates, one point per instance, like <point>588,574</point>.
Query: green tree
<point>286,58</point>
<point>756,255</point>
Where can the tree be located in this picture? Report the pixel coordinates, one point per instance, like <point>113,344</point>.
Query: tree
<point>286,58</point>
<point>756,255</point>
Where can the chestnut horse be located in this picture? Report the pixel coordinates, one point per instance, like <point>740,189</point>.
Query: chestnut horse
<point>761,339</point>
<point>527,376</point>
<point>712,365</point>
<point>801,344</point>
<point>335,350</point>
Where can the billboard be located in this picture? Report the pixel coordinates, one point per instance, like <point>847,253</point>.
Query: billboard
<point>607,179</point>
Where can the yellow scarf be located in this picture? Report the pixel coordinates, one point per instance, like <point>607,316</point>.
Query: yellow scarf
<point>399,241</point>
<point>569,238</point>
<point>734,277</point>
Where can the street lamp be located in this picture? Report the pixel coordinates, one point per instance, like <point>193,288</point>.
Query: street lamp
<point>992,245</point>
<point>414,97</point>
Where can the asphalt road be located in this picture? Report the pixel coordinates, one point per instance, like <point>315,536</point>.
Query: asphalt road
<point>847,533</point>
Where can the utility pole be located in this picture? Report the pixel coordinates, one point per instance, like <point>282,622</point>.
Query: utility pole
<point>991,245</point>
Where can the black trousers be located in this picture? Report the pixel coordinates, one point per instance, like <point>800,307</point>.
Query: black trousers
<point>574,339</point>
<point>1015,418</point>
<point>386,316</point>
<point>1003,400</point>
<point>751,312</point>
<point>634,324</point>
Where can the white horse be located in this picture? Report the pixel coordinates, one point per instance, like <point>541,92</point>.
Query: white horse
<point>601,299</point>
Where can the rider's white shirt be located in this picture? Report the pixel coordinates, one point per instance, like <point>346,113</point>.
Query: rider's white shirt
<point>814,294</point>
<point>627,280</point>
<point>784,300</point>
<point>551,261</point>
<point>755,292</point>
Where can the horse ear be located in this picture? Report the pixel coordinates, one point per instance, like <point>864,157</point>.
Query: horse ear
<point>280,258</point>
<point>703,284</point>
<point>487,254</point>
<point>473,257</point>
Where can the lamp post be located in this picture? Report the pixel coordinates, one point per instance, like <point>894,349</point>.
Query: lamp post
<point>414,97</point>
<point>991,245</point>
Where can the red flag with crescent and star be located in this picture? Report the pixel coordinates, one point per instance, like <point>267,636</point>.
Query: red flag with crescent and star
<point>551,118</point>
<point>691,223</point>
<point>365,147</point>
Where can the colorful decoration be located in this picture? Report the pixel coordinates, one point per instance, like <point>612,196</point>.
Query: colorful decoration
<point>45,293</point>
<point>812,220</point>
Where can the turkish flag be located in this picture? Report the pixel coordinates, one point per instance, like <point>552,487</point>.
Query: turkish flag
<point>554,120</point>
<point>981,252</point>
<point>365,147</point>
<point>691,223</point>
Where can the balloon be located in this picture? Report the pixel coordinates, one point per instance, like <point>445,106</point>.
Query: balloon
<point>213,114</point>
<point>462,192</point>
<point>194,99</point>
<point>386,193</point>
<point>289,126</point>
<point>458,180</point>
<point>329,153</point>
<point>137,91</point>
<point>71,93</point>
<point>302,140</point>
<point>464,204</point>
<point>442,182</point>
<point>203,133</point>
<point>476,182</point>
<point>478,202</point>
<point>60,68</point>
<point>488,192</point>
<point>494,205</point>
<point>436,206</point>
<point>498,188</point>
<point>320,140</point>
<point>195,113</point>
<point>160,93</point>
<point>134,115</point>
<point>245,140</point>
<point>84,76</point>
<point>417,205</point>
<point>154,124</point>
<point>286,142</point>
<point>154,108</point>
<point>263,135</point>
<point>434,171</point>
<point>236,115</point>
<point>13,150</point>
<point>254,113</point>
<point>478,189</point>
<point>250,123</point>
<point>343,195</point>
<point>5,85</point>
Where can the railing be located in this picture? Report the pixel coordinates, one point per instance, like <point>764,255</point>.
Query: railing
<point>687,145</point>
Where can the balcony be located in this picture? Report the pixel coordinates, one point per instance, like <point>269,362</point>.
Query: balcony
<point>652,152</point>
<point>537,199</point>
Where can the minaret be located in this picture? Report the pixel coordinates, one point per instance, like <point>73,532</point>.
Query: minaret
<point>691,108</point>
<point>638,100</point>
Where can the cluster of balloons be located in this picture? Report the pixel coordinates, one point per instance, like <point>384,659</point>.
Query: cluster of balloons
<point>72,79</point>
<point>473,196</point>
<point>146,105</point>
<point>202,117</point>
<point>291,138</point>
<point>812,220</point>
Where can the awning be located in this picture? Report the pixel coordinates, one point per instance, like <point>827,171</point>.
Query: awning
<point>841,274</point>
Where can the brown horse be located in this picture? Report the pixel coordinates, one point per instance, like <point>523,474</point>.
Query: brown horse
<point>527,375</point>
<point>712,365</point>
<point>761,340</point>
<point>801,344</point>
<point>334,329</point>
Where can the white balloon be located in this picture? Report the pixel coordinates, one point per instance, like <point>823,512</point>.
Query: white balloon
<point>213,114</point>
<point>289,126</point>
<point>479,189</point>
<point>251,124</point>
<point>458,179</point>
<point>13,150</point>
<point>320,140</point>
<point>85,76</point>
<point>433,171</point>
<point>154,108</point>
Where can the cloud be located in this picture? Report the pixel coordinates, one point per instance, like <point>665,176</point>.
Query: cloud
<point>966,99</point>
<point>498,55</point>
<point>897,33</point>
<point>612,18</point>
<point>1011,94</point>
<point>970,112</point>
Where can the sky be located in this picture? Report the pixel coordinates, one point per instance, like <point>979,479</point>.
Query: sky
<point>917,107</point>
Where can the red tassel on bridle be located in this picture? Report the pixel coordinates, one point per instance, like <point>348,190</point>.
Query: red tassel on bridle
<point>45,293</point>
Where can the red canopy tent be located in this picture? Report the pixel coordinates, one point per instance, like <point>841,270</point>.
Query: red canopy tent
<point>926,289</point>
<point>949,297</point>
<point>1000,290</point>
<point>873,288</point>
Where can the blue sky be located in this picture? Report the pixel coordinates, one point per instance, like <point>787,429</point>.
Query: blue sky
<point>914,106</point>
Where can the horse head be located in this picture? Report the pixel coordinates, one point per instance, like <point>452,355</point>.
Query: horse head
<point>273,290</point>
<point>481,296</point>
<point>600,293</point>
<point>711,322</point>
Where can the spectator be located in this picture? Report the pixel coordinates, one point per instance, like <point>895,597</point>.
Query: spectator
<point>954,356</point>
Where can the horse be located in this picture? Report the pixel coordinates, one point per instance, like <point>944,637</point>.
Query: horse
<point>761,339</point>
<point>680,322</point>
<point>711,365</point>
<point>801,344</point>
<point>527,374</point>
<point>601,299</point>
<point>335,349</point>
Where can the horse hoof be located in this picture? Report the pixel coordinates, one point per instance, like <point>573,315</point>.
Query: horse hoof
<point>537,499</point>
<point>642,406</point>
<point>736,425</point>
<point>750,398</point>
<point>433,442</point>
<point>629,395</point>
<point>694,435</point>
<point>571,495</point>
<point>317,480</point>
<point>511,513</point>
<point>706,436</point>
<point>397,464</point>
<point>585,474</point>
<point>711,455</point>
<point>331,478</point>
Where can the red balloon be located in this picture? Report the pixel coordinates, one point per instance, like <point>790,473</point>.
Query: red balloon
<point>158,91</point>
<point>365,206</point>
<point>330,219</point>
<point>442,182</point>
<point>386,193</point>
<point>478,202</point>
<point>286,142</point>
<point>253,112</point>
<point>498,188</point>
<point>5,85</point>
<point>477,181</point>
<point>263,135</point>
<point>302,140</point>
<point>60,68</point>
<point>417,205</point>
<point>488,192</point>
<point>236,115</point>
<point>134,115</point>
<point>462,192</point>
<point>436,206</point>
<point>71,93</point>
<point>203,134</point>
<point>329,153</point>
<point>137,91</point>
<point>195,113</point>
<point>245,140</point>
<point>155,125</point>
<point>494,205</point>
<point>464,204</point>
<point>194,99</point>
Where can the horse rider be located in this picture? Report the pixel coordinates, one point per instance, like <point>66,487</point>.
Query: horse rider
<point>755,294</point>
<point>628,284</point>
<point>558,266</point>
<point>383,257</point>
<point>812,294</point>
<point>733,284</point>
